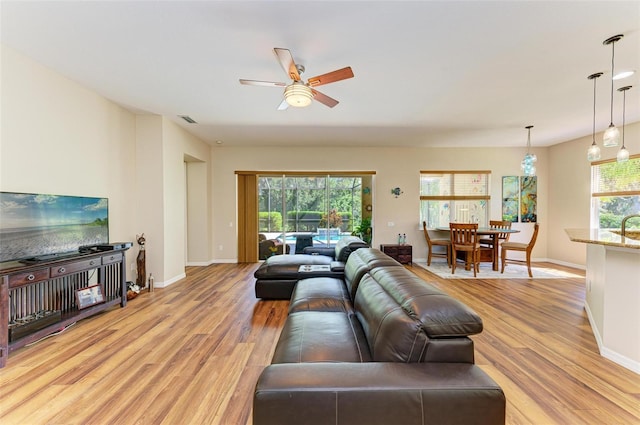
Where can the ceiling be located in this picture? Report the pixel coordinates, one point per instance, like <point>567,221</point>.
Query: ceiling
<point>427,73</point>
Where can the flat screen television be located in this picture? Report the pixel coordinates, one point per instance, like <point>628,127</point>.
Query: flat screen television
<point>38,227</point>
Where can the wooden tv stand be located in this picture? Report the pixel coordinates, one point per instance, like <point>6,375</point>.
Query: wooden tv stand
<point>46,290</point>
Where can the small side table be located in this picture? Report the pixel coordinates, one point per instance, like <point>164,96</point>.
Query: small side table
<point>403,254</point>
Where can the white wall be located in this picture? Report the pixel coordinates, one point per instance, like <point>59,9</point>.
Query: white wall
<point>60,138</point>
<point>176,144</point>
<point>162,147</point>
<point>395,167</point>
<point>149,207</point>
<point>199,213</point>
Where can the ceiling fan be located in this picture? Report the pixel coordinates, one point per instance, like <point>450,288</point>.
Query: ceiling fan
<point>298,93</point>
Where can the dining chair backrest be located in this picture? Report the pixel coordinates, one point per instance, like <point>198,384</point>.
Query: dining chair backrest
<point>532,242</point>
<point>500,224</point>
<point>463,234</point>
<point>426,233</point>
<point>522,247</point>
<point>446,243</point>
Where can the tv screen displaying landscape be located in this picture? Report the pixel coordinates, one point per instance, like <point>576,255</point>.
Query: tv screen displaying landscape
<point>39,225</point>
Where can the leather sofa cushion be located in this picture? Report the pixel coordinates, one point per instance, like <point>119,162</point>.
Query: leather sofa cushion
<point>317,294</point>
<point>400,312</point>
<point>346,245</point>
<point>377,394</point>
<point>320,294</point>
<point>360,262</point>
<point>298,260</point>
<point>337,266</point>
<point>286,266</point>
<point>438,314</point>
<point>311,336</point>
<point>320,250</point>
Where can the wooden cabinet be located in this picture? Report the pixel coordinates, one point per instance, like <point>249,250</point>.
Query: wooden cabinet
<point>401,253</point>
<point>39,299</point>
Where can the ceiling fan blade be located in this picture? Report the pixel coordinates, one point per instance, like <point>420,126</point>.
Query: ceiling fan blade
<point>324,99</point>
<point>331,77</point>
<point>262,83</point>
<point>286,60</point>
<point>283,105</point>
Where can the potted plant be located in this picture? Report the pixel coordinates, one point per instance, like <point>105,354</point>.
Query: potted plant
<point>363,230</point>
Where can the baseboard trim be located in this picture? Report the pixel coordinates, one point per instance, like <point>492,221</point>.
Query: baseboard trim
<point>566,264</point>
<point>166,283</point>
<point>533,260</point>
<point>607,353</point>
<point>210,262</point>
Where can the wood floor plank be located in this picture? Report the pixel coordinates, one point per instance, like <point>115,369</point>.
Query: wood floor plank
<point>191,353</point>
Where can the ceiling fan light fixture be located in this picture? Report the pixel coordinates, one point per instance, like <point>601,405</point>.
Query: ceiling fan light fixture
<point>298,95</point>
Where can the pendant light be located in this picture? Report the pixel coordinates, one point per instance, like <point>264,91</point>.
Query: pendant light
<point>611,136</point>
<point>623,153</point>
<point>527,164</point>
<point>593,154</point>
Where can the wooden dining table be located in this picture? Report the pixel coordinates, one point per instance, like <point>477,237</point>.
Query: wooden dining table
<point>491,232</point>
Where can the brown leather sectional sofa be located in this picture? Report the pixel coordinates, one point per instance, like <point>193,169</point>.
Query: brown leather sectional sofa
<point>378,346</point>
<point>276,277</point>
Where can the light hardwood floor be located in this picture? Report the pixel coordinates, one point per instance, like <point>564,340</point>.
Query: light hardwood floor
<point>191,354</point>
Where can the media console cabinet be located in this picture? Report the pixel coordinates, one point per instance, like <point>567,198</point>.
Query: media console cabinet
<point>402,253</point>
<point>40,298</point>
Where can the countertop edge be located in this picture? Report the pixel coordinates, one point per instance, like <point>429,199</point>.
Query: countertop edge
<point>601,237</point>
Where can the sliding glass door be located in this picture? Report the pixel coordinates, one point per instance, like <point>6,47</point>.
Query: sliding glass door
<point>300,210</point>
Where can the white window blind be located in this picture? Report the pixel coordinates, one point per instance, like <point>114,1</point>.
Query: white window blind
<point>460,196</point>
<point>615,192</point>
<point>611,178</point>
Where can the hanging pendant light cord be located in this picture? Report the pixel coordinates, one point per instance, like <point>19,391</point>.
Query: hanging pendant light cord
<point>624,107</point>
<point>613,54</point>
<point>594,110</point>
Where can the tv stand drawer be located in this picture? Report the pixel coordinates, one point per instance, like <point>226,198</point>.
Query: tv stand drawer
<point>112,258</point>
<point>64,269</point>
<point>28,277</point>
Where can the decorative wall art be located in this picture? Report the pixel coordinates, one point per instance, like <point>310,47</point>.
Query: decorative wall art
<point>520,199</point>
<point>396,191</point>
<point>510,198</point>
<point>528,199</point>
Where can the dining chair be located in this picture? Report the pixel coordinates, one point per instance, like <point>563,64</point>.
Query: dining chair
<point>522,247</point>
<point>436,242</point>
<point>464,238</point>
<point>500,237</point>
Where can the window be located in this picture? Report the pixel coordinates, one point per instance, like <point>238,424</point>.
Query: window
<point>328,207</point>
<point>615,193</point>
<point>454,196</point>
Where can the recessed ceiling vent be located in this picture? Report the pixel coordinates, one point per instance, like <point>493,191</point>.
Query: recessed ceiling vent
<point>188,119</point>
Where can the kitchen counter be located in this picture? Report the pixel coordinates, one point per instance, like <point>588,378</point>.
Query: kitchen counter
<point>612,299</point>
<point>604,237</point>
